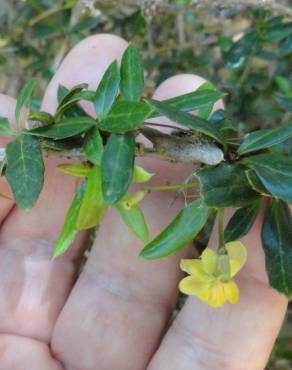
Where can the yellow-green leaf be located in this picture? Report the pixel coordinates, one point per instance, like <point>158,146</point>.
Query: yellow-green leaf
<point>141,175</point>
<point>69,230</point>
<point>134,218</point>
<point>76,170</point>
<point>93,206</point>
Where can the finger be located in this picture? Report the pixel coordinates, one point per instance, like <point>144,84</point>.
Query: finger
<point>7,109</point>
<point>237,336</point>
<point>121,303</point>
<point>32,285</point>
<point>25,354</point>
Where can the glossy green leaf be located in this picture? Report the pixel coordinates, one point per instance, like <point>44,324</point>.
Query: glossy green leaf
<point>69,230</point>
<point>256,183</point>
<point>226,186</point>
<point>93,146</point>
<point>183,229</point>
<point>65,95</point>
<point>117,166</point>
<point>5,128</point>
<point>68,101</point>
<point>188,120</point>
<point>125,116</point>
<point>206,111</point>
<point>93,205</point>
<point>68,127</point>
<point>134,218</point>
<point>132,75</point>
<point>275,172</point>
<point>265,138</point>
<point>241,222</point>
<point>61,93</point>
<point>25,170</point>
<point>196,100</point>
<point>24,99</point>
<point>276,238</point>
<point>107,90</point>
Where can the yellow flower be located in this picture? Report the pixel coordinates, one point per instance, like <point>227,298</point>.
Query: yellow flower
<point>211,276</point>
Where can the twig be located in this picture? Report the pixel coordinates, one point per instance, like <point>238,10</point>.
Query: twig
<point>188,149</point>
<point>164,7</point>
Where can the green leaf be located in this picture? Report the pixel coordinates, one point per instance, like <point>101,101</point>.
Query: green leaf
<point>68,100</point>
<point>134,219</point>
<point>242,50</point>
<point>24,99</point>
<point>276,238</point>
<point>69,230</point>
<point>107,90</point>
<point>241,222</point>
<point>196,100</point>
<point>256,183</point>
<point>68,127</point>
<point>117,166</point>
<point>61,93</point>
<point>226,186</point>
<point>93,146</point>
<point>284,102</point>
<point>265,138</point>
<point>188,120</point>
<point>65,95</point>
<point>25,170</point>
<point>125,116</point>
<point>43,117</point>
<point>132,75</point>
<point>5,128</point>
<point>279,32</point>
<point>275,172</point>
<point>93,206</point>
<point>206,111</point>
<point>184,228</point>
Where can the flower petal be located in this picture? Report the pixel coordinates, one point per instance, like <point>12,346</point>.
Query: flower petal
<point>237,254</point>
<point>209,261</point>
<point>231,292</point>
<point>215,296</point>
<point>193,267</point>
<point>191,286</point>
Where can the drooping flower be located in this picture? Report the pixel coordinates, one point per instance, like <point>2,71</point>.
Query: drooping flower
<point>211,276</point>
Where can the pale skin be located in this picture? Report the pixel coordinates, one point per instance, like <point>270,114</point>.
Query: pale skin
<point>115,315</point>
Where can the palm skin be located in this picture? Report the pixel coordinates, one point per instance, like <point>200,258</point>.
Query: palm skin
<point>114,315</point>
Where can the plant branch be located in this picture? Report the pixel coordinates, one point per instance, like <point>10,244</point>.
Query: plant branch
<point>168,147</point>
<point>161,6</point>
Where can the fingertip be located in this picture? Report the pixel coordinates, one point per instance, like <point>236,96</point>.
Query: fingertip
<point>7,108</point>
<point>85,63</point>
<point>178,85</point>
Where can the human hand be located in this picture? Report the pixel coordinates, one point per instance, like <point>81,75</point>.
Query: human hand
<point>114,315</point>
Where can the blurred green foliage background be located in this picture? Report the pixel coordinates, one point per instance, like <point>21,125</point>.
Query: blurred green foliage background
<point>245,52</point>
